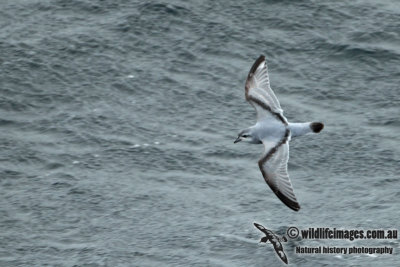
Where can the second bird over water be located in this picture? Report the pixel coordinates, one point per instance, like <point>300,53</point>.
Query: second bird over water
<point>273,131</point>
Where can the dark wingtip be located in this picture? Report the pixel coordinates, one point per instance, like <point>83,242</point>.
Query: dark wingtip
<point>290,203</point>
<point>259,60</point>
<point>316,127</point>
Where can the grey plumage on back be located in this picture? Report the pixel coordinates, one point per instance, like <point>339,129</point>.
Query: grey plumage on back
<point>274,131</point>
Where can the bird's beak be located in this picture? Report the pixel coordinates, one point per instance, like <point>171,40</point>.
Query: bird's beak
<point>238,140</point>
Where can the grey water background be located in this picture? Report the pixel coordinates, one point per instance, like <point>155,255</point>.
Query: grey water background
<point>118,120</point>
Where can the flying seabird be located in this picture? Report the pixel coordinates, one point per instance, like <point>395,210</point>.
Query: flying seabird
<point>275,241</point>
<point>274,131</point>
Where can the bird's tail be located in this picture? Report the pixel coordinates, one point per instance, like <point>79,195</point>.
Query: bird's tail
<point>316,127</point>
<point>299,129</point>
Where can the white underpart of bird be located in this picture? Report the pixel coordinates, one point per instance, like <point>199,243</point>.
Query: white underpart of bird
<point>274,131</point>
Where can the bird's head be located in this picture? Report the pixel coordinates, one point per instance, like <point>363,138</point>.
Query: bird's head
<point>264,239</point>
<point>245,135</point>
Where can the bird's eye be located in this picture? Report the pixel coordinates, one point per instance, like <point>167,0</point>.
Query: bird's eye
<point>245,135</point>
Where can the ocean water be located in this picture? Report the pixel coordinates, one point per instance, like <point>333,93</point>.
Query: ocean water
<point>118,120</point>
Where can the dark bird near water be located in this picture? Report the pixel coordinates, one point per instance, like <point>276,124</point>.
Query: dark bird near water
<point>274,240</point>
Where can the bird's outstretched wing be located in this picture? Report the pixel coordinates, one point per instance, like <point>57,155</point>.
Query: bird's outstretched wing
<point>280,253</point>
<point>274,241</point>
<point>273,166</point>
<point>267,232</point>
<point>259,93</point>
